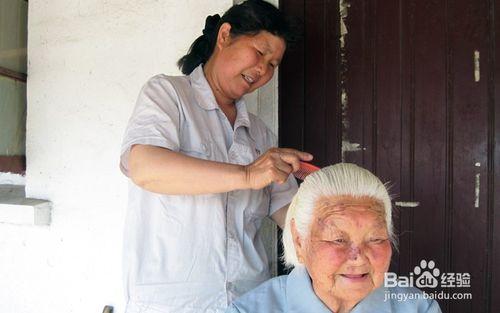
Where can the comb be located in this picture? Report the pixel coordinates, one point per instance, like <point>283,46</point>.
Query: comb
<point>304,170</point>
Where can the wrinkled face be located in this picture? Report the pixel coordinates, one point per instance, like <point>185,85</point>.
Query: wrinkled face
<point>348,250</point>
<point>245,63</point>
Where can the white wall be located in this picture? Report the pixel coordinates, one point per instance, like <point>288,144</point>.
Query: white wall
<point>87,62</point>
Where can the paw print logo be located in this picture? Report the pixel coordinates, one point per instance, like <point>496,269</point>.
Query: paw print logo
<point>427,274</point>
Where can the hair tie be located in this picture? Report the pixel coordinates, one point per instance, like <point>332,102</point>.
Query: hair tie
<point>210,25</point>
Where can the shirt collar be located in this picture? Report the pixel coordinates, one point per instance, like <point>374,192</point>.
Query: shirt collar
<point>242,117</point>
<point>205,99</point>
<point>300,295</point>
<point>204,95</point>
<point>374,302</point>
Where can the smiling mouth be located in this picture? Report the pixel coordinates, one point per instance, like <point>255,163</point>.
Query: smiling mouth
<point>355,277</point>
<point>248,79</point>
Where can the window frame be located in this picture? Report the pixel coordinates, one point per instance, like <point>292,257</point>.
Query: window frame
<point>15,163</point>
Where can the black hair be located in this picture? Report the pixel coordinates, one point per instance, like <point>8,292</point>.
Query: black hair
<point>247,18</point>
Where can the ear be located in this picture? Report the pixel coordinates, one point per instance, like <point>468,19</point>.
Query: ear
<point>224,35</point>
<point>297,241</point>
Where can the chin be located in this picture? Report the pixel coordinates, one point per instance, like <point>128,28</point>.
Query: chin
<point>358,289</point>
<point>356,294</point>
<point>238,93</point>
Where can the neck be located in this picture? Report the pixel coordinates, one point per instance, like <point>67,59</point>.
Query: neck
<point>334,304</point>
<point>208,70</point>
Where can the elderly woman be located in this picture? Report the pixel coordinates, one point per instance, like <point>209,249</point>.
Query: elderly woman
<point>338,237</point>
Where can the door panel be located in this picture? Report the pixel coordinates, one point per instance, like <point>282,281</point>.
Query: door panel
<point>469,146</point>
<point>494,163</point>
<point>417,115</point>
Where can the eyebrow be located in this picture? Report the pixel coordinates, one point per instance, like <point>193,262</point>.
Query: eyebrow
<point>267,47</point>
<point>331,224</point>
<point>332,232</point>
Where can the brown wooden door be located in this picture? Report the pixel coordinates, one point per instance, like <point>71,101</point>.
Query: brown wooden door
<point>422,86</point>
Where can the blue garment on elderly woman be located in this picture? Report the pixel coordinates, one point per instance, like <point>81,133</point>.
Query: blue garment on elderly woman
<point>293,293</point>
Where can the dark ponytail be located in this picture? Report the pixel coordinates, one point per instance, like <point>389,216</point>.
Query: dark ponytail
<point>201,49</point>
<point>247,18</point>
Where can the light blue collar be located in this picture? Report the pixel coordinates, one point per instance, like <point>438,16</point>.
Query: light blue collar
<point>300,296</point>
<point>374,302</point>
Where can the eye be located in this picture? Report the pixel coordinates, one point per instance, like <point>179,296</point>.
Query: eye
<point>377,240</point>
<point>272,65</point>
<point>337,241</point>
<point>259,52</point>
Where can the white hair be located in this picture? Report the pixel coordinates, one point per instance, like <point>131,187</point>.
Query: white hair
<point>343,179</point>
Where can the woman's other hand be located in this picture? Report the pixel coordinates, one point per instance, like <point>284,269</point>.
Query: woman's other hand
<point>274,166</point>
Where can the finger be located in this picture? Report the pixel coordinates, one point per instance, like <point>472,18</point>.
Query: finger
<point>284,166</point>
<point>291,159</point>
<point>280,176</point>
<point>304,156</point>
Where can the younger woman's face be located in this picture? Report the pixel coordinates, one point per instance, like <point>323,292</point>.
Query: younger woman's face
<point>243,63</point>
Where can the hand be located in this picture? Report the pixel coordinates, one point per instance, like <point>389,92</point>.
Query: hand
<point>274,166</point>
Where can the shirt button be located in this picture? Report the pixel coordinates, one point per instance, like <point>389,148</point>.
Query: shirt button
<point>204,147</point>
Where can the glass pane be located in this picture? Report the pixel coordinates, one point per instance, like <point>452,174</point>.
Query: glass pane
<point>12,117</point>
<point>13,34</point>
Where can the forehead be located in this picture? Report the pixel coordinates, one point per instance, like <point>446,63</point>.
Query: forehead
<point>347,211</point>
<point>273,43</point>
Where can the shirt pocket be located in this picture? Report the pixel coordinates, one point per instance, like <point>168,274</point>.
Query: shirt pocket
<point>246,154</point>
<point>196,147</point>
<point>254,215</point>
<point>258,205</point>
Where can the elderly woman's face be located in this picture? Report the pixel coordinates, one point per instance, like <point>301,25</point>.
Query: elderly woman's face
<point>348,250</point>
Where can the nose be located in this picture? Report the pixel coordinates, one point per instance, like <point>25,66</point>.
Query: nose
<point>357,254</point>
<point>262,68</point>
<point>354,253</point>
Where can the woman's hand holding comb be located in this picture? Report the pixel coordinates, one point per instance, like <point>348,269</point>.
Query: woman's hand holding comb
<point>274,166</point>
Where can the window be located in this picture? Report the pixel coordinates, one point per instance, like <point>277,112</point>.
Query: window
<point>13,69</point>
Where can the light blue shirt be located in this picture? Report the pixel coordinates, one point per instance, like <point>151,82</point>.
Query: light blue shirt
<point>293,293</point>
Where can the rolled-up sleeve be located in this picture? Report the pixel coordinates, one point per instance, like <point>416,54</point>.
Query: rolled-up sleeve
<point>155,120</point>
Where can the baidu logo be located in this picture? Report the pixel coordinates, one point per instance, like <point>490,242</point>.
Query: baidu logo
<point>427,275</point>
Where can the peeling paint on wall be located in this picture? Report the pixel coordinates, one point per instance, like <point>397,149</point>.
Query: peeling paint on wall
<point>407,204</point>
<point>344,6</point>
<point>477,66</point>
<point>477,188</point>
<point>347,146</point>
<point>350,146</point>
